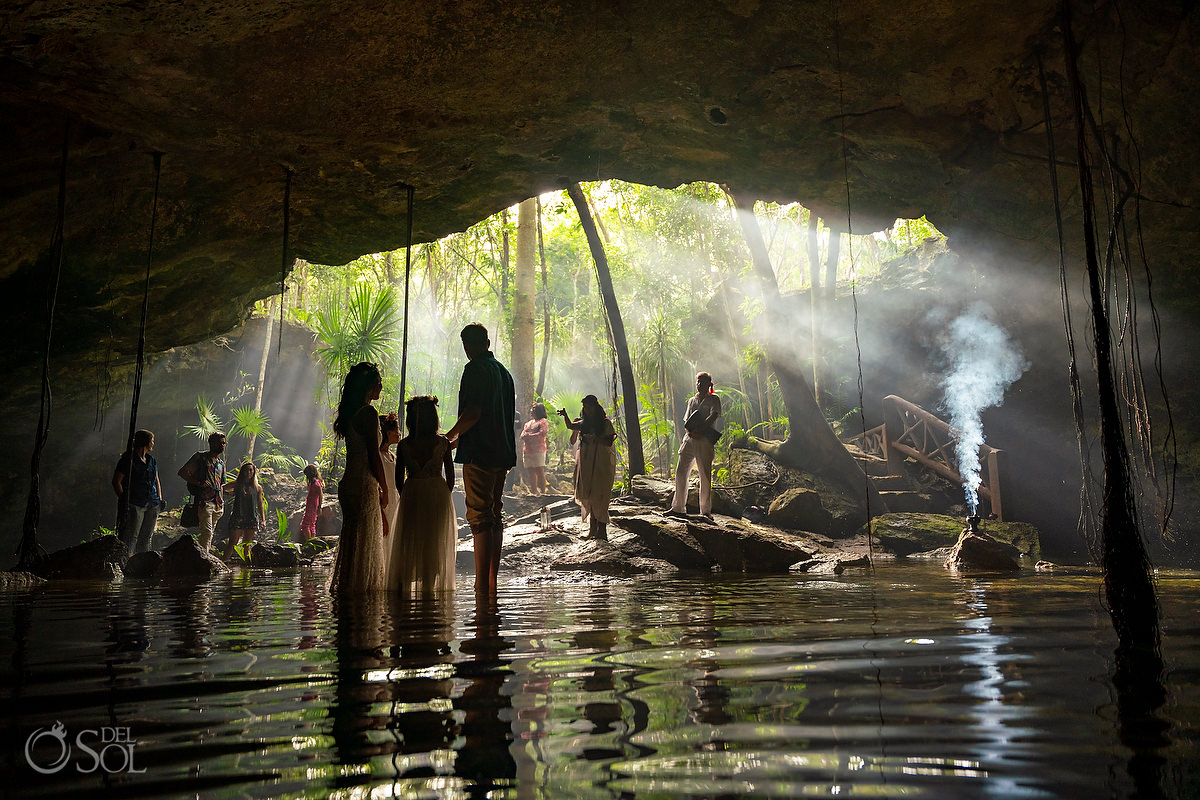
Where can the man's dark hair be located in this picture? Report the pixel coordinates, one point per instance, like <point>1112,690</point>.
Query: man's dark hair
<point>475,334</point>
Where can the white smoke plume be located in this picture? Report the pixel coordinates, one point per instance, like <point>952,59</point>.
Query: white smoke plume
<point>982,362</point>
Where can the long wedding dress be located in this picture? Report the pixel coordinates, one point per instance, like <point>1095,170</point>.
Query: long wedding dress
<point>423,549</point>
<point>360,565</point>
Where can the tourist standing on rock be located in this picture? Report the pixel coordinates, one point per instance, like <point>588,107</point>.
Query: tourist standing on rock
<point>362,492</point>
<point>389,434</point>
<point>312,502</point>
<point>702,421</point>
<point>423,550</point>
<point>205,476</point>
<point>596,467</point>
<point>487,449</point>
<point>246,510</point>
<point>137,514</point>
<point>533,447</point>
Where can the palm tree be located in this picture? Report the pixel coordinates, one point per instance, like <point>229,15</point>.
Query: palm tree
<point>364,330</point>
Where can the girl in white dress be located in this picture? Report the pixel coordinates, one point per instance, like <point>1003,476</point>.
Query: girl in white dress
<point>423,549</point>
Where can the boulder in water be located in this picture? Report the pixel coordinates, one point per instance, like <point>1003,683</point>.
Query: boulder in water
<point>185,559</point>
<point>978,552</point>
<point>97,559</point>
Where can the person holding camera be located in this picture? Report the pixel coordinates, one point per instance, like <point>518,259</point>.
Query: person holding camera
<point>702,429</point>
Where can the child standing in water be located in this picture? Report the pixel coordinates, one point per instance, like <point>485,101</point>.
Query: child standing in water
<point>312,503</point>
<point>247,515</point>
<point>423,549</point>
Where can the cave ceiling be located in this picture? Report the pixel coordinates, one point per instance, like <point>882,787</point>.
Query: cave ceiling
<point>906,108</point>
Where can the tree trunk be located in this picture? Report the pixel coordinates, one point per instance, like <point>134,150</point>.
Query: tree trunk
<point>811,444</point>
<point>633,432</point>
<point>504,258</point>
<point>547,330</point>
<point>262,378</point>
<point>814,300</point>
<point>523,327</point>
<point>820,311</point>
<point>831,267</point>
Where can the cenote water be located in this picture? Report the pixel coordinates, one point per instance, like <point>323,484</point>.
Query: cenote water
<point>909,682</point>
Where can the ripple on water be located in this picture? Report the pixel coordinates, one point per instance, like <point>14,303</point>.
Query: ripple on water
<point>909,682</point>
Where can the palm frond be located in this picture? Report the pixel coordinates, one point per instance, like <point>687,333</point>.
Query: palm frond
<point>249,421</point>
<point>209,421</point>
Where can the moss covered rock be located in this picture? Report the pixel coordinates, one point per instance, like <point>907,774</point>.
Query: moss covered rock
<point>904,534</point>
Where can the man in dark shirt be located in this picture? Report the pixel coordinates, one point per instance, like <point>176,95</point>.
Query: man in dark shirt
<point>487,449</point>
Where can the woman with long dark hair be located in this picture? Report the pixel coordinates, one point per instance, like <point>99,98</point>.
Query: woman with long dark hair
<point>596,467</point>
<point>362,491</point>
<point>247,513</point>
<point>312,502</point>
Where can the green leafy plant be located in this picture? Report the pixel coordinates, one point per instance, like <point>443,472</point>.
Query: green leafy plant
<point>249,422</point>
<point>281,525</point>
<point>242,550</point>
<point>99,531</point>
<point>209,421</point>
<point>361,330</point>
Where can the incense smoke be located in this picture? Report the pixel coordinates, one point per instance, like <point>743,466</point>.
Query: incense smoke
<point>981,364</point>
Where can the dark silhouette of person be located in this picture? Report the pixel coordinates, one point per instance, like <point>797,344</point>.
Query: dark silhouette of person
<point>487,449</point>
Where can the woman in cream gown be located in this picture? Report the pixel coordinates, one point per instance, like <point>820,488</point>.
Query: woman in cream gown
<point>360,565</point>
<point>423,549</point>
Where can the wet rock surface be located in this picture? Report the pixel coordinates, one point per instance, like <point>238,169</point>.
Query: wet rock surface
<point>912,533</point>
<point>15,580</point>
<point>268,555</point>
<point>185,559</point>
<point>100,559</point>
<point>978,552</point>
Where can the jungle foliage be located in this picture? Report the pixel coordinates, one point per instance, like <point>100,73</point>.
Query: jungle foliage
<point>678,261</point>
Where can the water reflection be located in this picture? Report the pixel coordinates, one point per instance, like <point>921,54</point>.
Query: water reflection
<point>912,683</point>
<point>484,758</point>
<point>420,718</point>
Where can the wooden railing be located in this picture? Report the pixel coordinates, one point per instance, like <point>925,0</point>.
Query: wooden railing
<point>909,430</point>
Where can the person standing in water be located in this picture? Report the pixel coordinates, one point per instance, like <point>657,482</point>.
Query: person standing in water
<point>487,449</point>
<point>389,434</point>
<point>137,472</point>
<point>423,548</point>
<point>314,496</point>
<point>362,492</point>
<point>701,425</point>
<point>247,509</point>
<point>205,476</point>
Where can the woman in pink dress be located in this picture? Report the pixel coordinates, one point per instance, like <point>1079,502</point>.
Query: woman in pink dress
<point>312,503</point>
<point>533,447</point>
